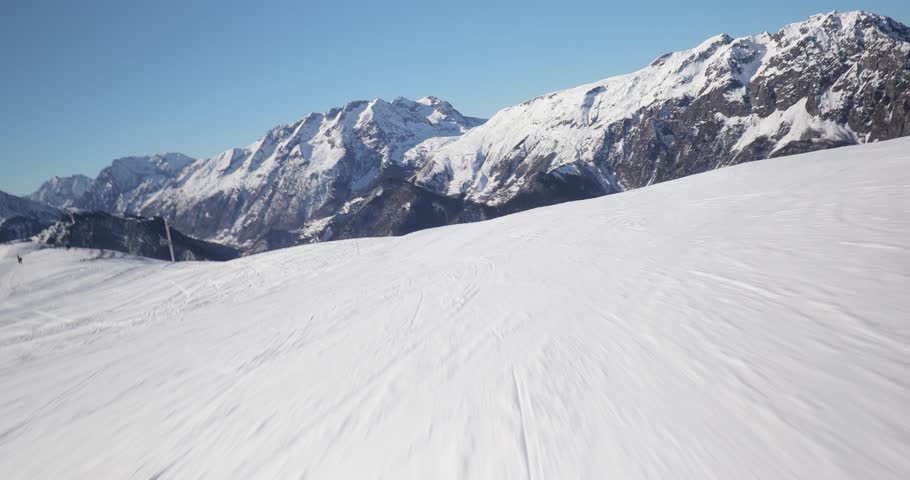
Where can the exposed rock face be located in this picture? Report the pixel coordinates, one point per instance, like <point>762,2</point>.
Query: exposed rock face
<point>20,218</point>
<point>395,207</point>
<point>139,236</point>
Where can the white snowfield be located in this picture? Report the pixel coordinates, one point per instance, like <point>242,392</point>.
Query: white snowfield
<point>751,322</point>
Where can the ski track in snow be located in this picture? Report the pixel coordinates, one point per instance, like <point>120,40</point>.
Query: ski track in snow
<point>750,322</point>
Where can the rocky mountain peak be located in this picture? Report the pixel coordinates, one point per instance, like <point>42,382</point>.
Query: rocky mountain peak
<point>303,170</point>
<point>62,192</point>
<point>161,163</point>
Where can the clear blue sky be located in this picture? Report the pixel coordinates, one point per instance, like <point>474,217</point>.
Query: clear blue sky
<point>84,82</point>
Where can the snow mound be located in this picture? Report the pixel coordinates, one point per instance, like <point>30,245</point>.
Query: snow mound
<point>750,321</point>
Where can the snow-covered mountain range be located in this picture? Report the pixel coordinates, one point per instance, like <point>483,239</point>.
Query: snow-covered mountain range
<point>373,168</point>
<point>833,80</point>
<point>303,171</point>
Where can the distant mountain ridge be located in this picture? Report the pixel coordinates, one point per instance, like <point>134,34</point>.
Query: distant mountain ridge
<point>835,79</point>
<point>373,168</point>
<point>304,171</point>
<point>120,187</point>
<point>21,218</point>
<point>127,182</point>
<point>62,192</point>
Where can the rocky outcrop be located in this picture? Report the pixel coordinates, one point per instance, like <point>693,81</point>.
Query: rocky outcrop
<point>20,218</point>
<point>138,236</point>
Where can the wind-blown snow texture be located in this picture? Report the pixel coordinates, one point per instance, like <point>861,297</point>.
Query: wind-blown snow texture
<point>746,322</point>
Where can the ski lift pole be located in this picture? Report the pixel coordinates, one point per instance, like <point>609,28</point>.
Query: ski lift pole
<point>170,245</point>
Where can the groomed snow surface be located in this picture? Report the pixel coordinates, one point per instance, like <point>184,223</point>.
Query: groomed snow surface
<point>751,322</point>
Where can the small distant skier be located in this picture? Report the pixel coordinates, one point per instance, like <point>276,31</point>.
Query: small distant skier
<point>19,258</point>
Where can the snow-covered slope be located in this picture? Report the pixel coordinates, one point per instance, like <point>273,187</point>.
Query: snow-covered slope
<point>746,322</point>
<point>62,192</point>
<point>835,79</point>
<point>303,171</point>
